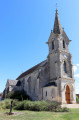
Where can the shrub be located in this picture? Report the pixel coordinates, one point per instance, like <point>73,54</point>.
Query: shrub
<point>2,105</point>
<point>65,109</point>
<point>20,95</point>
<point>40,106</point>
<point>36,105</point>
<point>53,106</point>
<point>28,105</point>
<point>33,105</point>
<point>77,99</point>
<point>19,106</point>
<point>44,105</point>
<point>5,104</point>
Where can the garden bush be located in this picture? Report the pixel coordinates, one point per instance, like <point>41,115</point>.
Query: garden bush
<point>36,105</point>
<point>53,106</point>
<point>30,105</point>
<point>40,106</point>
<point>5,104</point>
<point>33,105</point>
<point>19,106</point>
<point>77,99</point>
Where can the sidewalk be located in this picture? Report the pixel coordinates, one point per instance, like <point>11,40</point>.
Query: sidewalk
<point>70,105</point>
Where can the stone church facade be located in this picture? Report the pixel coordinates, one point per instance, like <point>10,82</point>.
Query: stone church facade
<point>52,79</point>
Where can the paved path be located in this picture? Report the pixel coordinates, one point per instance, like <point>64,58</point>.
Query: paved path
<point>70,105</point>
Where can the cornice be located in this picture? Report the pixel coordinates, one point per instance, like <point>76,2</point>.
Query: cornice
<point>70,79</point>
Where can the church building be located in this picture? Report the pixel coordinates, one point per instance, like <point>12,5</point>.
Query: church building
<point>52,79</point>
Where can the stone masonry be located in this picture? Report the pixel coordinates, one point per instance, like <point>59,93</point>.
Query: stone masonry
<point>52,79</point>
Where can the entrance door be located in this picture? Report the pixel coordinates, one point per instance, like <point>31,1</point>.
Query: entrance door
<point>67,94</point>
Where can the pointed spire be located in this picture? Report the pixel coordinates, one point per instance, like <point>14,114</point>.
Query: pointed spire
<point>57,26</point>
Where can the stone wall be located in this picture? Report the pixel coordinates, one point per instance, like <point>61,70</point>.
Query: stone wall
<point>50,93</point>
<point>33,83</point>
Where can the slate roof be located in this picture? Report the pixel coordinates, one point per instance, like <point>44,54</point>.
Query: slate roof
<point>57,26</point>
<point>12,82</point>
<point>33,69</point>
<point>51,84</point>
<point>63,33</point>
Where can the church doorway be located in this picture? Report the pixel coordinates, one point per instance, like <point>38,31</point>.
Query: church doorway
<point>67,94</point>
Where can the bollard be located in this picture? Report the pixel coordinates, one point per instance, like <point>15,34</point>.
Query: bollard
<point>11,107</point>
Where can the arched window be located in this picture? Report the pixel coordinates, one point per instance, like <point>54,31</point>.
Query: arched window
<point>63,44</point>
<point>65,70</point>
<point>52,45</point>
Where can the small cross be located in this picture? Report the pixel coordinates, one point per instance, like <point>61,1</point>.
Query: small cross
<point>56,9</point>
<point>56,6</point>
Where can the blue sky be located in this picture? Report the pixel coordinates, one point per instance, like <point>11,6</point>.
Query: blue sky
<point>25,26</point>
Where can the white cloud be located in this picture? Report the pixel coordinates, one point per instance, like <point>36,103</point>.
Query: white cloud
<point>77,64</point>
<point>75,68</point>
<point>77,75</point>
<point>77,90</point>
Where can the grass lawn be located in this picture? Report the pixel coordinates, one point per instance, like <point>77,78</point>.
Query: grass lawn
<point>30,115</point>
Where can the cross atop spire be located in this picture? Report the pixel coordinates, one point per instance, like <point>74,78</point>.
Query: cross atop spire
<point>56,9</point>
<point>57,26</point>
<point>56,5</point>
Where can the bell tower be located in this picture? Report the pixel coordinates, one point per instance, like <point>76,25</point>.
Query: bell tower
<point>60,62</point>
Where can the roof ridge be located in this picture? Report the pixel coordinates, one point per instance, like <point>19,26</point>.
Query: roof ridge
<point>29,70</point>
